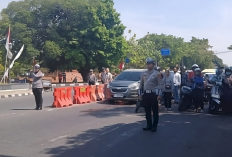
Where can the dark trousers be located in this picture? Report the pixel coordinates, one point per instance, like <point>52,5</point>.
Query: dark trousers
<point>91,83</point>
<point>64,79</point>
<point>168,99</point>
<point>38,96</point>
<point>198,98</point>
<point>150,103</point>
<point>60,79</point>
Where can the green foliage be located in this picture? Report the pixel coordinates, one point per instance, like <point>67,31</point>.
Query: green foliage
<point>196,51</point>
<point>67,34</point>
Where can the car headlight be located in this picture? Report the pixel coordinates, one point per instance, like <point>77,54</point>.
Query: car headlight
<point>133,86</point>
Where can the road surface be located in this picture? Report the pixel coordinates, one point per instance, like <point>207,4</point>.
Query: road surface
<point>103,130</point>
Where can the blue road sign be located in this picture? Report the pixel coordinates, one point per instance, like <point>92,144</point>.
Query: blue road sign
<point>165,52</point>
<point>127,60</point>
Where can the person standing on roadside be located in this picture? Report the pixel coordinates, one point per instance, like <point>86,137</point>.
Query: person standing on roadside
<point>92,79</point>
<point>177,83</point>
<point>103,75</point>
<point>64,77</point>
<point>60,77</point>
<point>109,76</point>
<point>37,86</point>
<point>184,77</point>
<point>150,91</point>
<point>167,89</point>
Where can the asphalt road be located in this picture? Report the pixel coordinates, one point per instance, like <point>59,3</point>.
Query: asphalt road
<point>103,130</point>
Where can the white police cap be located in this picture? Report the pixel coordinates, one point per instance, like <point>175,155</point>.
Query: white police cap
<point>37,66</point>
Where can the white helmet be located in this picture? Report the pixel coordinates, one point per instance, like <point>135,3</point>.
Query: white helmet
<point>37,66</point>
<point>197,69</point>
<point>195,66</point>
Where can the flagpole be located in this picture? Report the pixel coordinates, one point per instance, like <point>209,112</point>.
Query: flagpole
<point>5,68</point>
<point>9,72</point>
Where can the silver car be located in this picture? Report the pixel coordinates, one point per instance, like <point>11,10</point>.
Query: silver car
<point>125,86</point>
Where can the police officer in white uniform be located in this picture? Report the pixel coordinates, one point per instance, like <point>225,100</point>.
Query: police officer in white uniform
<point>150,92</point>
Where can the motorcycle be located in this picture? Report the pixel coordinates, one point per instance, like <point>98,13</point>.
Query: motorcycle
<point>185,99</point>
<point>215,103</point>
<point>207,92</point>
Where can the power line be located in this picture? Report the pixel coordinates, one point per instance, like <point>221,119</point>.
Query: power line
<point>222,52</point>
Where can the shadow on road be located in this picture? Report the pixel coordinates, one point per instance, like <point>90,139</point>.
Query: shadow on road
<point>109,111</point>
<point>95,141</point>
<point>21,110</point>
<point>177,132</point>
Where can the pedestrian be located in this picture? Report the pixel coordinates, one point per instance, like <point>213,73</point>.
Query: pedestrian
<point>60,77</point>
<point>109,76</point>
<point>150,92</point>
<point>37,86</point>
<point>198,90</point>
<point>64,77</point>
<point>184,76</point>
<point>92,79</point>
<point>177,83</point>
<point>226,97</point>
<point>103,75</point>
<point>167,89</point>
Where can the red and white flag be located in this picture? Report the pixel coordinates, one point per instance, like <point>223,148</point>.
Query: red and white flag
<point>121,66</point>
<point>9,54</point>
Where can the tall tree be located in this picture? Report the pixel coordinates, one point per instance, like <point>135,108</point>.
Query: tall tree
<point>68,34</point>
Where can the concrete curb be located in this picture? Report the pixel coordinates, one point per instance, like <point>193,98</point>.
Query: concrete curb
<point>15,95</point>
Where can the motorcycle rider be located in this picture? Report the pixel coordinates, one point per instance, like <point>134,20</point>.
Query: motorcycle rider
<point>198,90</point>
<point>192,74</point>
<point>226,98</point>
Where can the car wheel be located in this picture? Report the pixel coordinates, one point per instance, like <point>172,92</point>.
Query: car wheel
<point>213,107</point>
<point>137,106</point>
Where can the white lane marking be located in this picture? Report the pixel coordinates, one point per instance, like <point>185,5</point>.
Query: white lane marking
<point>8,114</point>
<point>109,131</point>
<point>50,110</point>
<point>58,138</point>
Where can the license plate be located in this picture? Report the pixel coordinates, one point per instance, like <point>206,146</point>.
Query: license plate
<point>148,91</point>
<point>118,95</point>
<point>215,96</point>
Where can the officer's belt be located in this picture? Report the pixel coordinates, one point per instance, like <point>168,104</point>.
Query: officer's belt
<point>150,91</point>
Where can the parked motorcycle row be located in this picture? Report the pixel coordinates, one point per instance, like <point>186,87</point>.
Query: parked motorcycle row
<point>213,93</point>
<point>217,97</point>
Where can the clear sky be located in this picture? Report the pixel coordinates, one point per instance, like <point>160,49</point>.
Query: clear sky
<point>209,19</point>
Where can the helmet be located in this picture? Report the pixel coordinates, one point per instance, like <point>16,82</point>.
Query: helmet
<point>197,69</point>
<point>150,61</point>
<point>183,67</point>
<point>195,66</point>
<point>37,66</point>
<point>158,69</point>
<point>219,71</point>
<point>228,72</point>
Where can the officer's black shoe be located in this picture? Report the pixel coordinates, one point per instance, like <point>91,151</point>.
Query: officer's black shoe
<point>153,129</point>
<point>36,108</point>
<point>147,128</point>
<point>40,108</point>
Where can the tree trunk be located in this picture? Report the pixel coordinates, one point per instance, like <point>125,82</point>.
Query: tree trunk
<point>84,73</point>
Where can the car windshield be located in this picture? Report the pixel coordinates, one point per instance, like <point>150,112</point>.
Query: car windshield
<point>129,76</point>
